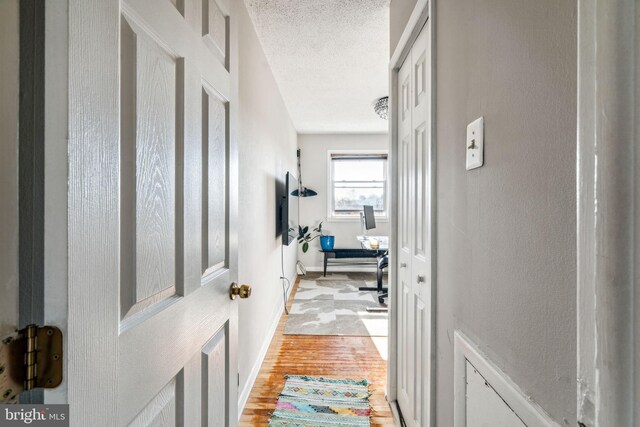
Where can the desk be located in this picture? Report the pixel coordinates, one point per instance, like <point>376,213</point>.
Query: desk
<point>365,255</point>
<point>383,242</point>
<point>348,255</point>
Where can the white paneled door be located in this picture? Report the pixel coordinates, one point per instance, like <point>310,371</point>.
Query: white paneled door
<point>152,207</point>
<point>414,290</point>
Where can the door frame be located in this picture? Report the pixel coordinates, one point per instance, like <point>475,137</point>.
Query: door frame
<point>42,163</point>
<point>422,12</point>
<point>608,205</point>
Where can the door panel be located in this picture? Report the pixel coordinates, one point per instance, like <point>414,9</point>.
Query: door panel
<point>161,410</point>
<point>406,234</point>
<point>214,397</point>
<point>171,353</point>
<point>214,154</point>
<point>414,229</point>
<point>404,129</point>
<point>420,70</point>
<point>420,202</point>
<point>155,164</point>
<point>419,357</point>
<point>404,340</point>
<point>214,28</point>
<point>150,79</point>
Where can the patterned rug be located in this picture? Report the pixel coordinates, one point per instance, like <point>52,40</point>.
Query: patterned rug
<point>315,402</point>
<point>333,305</point>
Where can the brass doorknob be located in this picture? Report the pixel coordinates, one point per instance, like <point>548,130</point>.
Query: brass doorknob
<point>243,291</point>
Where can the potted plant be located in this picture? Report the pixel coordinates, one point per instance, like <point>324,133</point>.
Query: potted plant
<point>305,237</point>
<point>327,242</point>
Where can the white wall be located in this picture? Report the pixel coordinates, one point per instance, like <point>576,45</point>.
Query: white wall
<point>399,13</point>
<point>314,175</point>
<point>506,232</point>
<point>267,149</point>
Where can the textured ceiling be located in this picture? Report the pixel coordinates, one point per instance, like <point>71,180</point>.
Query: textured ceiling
<point>330,60</point>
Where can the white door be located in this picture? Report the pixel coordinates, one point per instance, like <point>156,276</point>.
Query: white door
<point>414,231</point>
<point>405,287</point>
<point>152,206</point>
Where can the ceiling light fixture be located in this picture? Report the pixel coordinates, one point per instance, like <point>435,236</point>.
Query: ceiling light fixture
<point>381,107</point>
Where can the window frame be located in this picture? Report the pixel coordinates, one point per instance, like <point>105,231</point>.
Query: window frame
<point>331,213</point>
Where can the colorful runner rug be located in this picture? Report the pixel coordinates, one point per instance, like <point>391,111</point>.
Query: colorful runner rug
<point>314,402</point>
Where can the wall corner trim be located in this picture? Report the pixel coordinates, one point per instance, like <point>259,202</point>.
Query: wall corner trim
<point>608,230</point>
<point>526,409</point>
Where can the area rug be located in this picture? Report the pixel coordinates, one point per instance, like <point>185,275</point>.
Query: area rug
<point>333,305</point>
<point>314,402</point>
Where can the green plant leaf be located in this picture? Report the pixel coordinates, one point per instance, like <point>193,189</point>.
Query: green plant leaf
<point>305,229</point>
<point>305,247</point>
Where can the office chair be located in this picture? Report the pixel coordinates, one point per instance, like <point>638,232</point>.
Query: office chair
<point>383,262</point>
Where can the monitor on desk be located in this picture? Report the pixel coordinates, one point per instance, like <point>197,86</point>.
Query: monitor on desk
<point>369,217</point>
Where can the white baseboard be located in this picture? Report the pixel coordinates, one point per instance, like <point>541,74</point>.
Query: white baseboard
<point>255,370</point>
<point>395,412</point>
<point>465,350</point>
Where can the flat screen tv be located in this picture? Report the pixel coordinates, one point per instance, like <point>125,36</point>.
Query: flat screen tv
<point>289,210</point>
<point>369,217</point>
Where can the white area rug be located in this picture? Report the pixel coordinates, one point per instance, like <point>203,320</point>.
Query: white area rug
<point>333,305</point>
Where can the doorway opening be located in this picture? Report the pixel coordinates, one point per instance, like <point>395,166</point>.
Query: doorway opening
<point>323,356</point>
<point>336,323</point>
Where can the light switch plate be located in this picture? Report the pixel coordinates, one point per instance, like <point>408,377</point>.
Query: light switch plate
<point>475,144</point>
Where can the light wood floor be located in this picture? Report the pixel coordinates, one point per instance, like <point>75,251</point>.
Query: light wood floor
<point>326,356</point>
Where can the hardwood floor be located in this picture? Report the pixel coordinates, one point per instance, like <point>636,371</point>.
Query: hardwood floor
<point>326,356</point>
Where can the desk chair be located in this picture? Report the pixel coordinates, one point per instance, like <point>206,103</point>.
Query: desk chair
<point>383,262</point>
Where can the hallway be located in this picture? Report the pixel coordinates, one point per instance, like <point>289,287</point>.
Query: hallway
<point>327,356</point>
<point>460,179</point>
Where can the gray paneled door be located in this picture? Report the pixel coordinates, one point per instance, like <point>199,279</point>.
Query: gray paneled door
<point>152,208</point>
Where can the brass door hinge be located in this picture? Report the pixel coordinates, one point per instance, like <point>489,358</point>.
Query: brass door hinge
<point>30,358</point>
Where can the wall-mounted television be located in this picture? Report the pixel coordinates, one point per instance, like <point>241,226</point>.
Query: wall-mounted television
<point>289,210</point>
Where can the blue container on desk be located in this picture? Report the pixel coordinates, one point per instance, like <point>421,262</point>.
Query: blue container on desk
<point>327,242</point>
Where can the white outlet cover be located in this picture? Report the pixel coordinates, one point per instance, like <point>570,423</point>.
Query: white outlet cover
<point>475,144</point>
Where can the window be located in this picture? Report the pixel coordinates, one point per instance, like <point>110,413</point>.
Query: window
<point>357,179</point>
